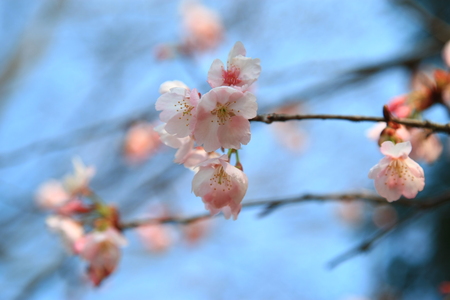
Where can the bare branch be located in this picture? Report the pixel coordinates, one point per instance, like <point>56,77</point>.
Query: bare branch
<point>270,118</point>
<point>272,204</point>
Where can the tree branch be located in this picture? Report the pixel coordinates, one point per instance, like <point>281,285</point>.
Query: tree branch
<point>270,118</point>
<point>273,204</point>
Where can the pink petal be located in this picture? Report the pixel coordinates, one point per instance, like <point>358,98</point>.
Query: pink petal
<point>200,183</point>
<point>234,133</point>
<point>250,69</point>
<point>215,78</point>
<point>178,125</point>
<point>167,103</point>
<point>245,105</point>
<point>238,49</point>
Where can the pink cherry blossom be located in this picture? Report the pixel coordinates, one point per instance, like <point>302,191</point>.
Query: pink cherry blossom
<point>68,229</point>
<point>101,250</point>
<point>397,174</point>
<point>241,71</point>
<point>141,142</point>
<point>221,186</point>
<point>203,27</point>
<point>78,182</point>
<point>166,86</point>
<point>178,111</point>
<point>425,146</point>
<point>222,118</point>
<point>51,195</point>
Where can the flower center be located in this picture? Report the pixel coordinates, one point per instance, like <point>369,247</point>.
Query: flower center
<point>185,108</point>
<point>231,76</point>
<point>223,112</point>
<point>397,173</point>
<point>222,179</point>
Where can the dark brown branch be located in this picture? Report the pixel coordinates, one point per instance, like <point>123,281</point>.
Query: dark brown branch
<point>270,118</point>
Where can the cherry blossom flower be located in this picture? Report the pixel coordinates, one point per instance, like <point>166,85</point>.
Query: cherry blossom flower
<point>166,86</point>
<point>101,250</point>
<point>178,111</point>
<point>222,118</point>
<point>221,186</point>
<point>51,195</point>
<point>68,229</point>
<point>78,182</point>
<point>141,142</point>
<point>397,174</point>
<point>425,146</point>
<point>241,71</point>
<point>203,27</point>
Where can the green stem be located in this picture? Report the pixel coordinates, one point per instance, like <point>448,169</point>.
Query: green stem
<point>237,156</point>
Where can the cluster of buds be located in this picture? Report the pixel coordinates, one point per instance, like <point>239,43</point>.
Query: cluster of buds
<point>87,227</point>
<point>198,125</point>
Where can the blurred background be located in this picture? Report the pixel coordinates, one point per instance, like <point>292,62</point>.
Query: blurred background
<point>76,76</point>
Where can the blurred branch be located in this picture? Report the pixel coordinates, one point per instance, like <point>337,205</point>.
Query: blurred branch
<point>70,139</point>
<point>269,118</point>
<point>438,28</point>
<point>86,134</point>
<point>414,214</point>
<point>271,205</point>
<point>418,207</point>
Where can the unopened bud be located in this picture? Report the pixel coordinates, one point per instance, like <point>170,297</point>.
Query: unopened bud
<point>387,114</point>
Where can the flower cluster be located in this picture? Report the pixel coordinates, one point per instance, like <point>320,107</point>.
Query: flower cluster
<point>397,174</point>
<point>216,120</point>
<point>87,227</point>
